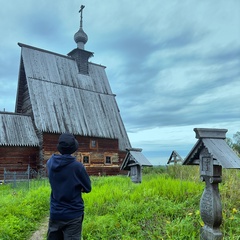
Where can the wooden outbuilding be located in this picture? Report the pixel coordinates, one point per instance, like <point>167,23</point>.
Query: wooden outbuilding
<point>65,93</point>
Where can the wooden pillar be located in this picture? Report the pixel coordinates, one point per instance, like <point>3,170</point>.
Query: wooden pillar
<point>136,173</point>
<point>210,203</point>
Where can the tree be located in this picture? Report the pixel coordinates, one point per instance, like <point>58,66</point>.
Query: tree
<point>229,142</point>
<point>236,144</point>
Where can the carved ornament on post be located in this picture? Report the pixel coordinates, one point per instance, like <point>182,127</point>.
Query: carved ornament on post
<point>210,203</point>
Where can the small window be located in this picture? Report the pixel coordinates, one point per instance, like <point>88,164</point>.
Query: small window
<point>93,144</point>
<point>108,160</point>
<point>86,159</point>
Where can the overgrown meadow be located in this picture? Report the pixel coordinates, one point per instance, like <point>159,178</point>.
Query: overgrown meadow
<point>164,206</point>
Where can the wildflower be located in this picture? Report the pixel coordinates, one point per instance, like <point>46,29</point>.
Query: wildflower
<point>234,210</point>
<point>201,223</point>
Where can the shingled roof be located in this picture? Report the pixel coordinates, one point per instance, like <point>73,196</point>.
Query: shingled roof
<point>17,130</point>
<point>134,157</point>
<point>61,99</point>
<point>214,141</point>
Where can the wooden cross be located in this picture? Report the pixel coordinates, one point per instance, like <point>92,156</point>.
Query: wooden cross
<point>80,11</point>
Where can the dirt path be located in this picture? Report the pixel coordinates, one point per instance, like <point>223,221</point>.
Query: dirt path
<point>40,234</point>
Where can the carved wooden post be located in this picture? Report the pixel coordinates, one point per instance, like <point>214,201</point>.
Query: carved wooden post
<point>210,203</point>
<point>212,153</point>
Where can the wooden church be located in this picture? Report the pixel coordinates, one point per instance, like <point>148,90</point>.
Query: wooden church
<point>63,93</point>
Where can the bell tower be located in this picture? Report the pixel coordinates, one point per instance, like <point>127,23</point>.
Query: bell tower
<point>80,55</point>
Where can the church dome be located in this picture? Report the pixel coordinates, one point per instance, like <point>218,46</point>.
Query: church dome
<point>80,36</point>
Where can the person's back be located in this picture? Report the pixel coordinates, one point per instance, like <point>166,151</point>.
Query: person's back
<point>68,179</point>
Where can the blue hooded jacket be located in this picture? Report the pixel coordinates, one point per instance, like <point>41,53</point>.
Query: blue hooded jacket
<point>68,179</point>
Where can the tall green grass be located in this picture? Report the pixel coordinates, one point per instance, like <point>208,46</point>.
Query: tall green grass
<point>158,208</point>
<point>164,206</point>
<point>21,210</point>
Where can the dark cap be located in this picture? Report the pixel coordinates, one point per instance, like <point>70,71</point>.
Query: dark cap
<point>67,144</point>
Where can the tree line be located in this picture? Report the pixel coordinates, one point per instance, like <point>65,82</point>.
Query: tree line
<point>235,143</point>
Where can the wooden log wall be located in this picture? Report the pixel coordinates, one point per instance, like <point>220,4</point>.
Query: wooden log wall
<point>18,158</point>
<point>97,154</point>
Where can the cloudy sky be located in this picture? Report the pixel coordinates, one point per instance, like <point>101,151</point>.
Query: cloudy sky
<point>174,65</point>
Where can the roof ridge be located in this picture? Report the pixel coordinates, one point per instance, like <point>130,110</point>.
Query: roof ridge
<point>43,50</point>
<point>15,113</point>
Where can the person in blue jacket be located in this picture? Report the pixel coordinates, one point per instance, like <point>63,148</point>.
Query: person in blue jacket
<point>68,179</point>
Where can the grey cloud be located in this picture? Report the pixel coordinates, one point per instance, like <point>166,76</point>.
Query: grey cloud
<point>160,64</point>
<point>226,54</point>
<point>146,110</point>
<point>186,37</point>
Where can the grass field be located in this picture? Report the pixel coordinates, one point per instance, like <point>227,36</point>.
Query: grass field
<point>164,206</point>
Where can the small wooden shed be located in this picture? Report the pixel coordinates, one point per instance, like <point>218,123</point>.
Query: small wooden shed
<point>133,162</point>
